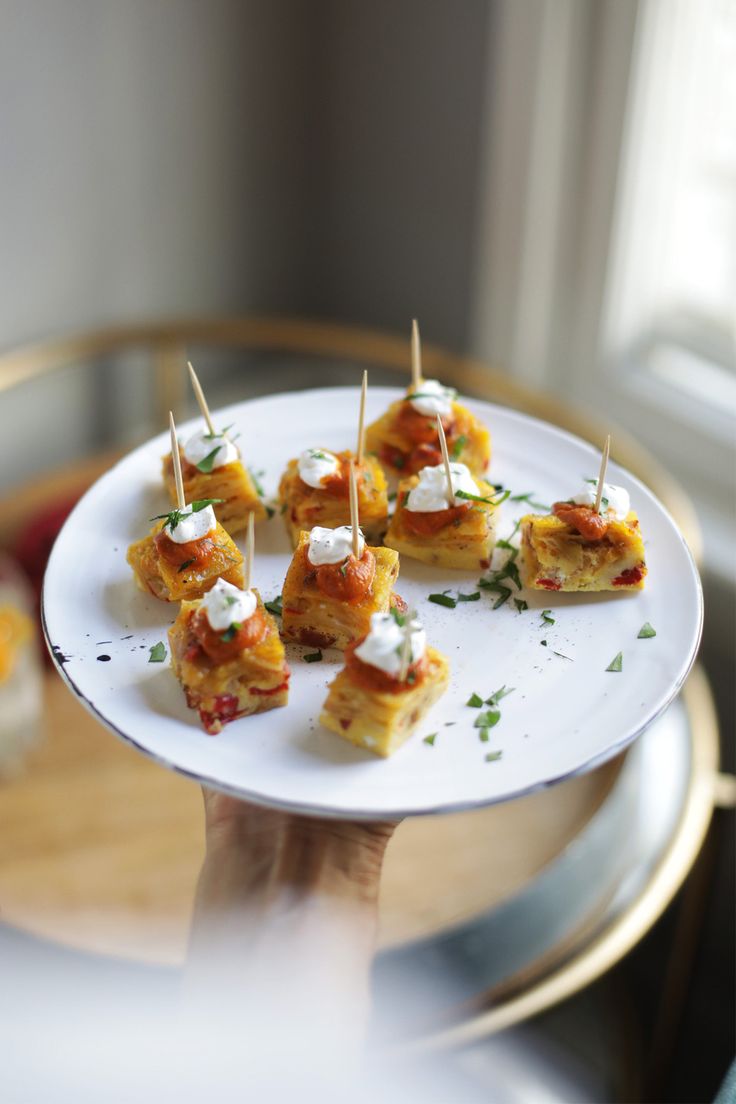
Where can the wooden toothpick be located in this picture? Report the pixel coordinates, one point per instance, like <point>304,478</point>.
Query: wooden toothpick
<point>602,473</point>
<point>416,357</point>
<point>446,461</point>
<point>361,420</point>
<point>249,552</point>
<point>406,649</point>
<point>354,516</point>
<point>201,400</point>
<point>176,460</point>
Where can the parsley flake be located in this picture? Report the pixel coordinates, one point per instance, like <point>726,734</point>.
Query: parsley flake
<point>475,701</point>
<point>313,657</point>
<point>274,606</point>
<point>184,566</point>
<point>616,663</point>
<point>495,698</point>
<point>231,632</point>
<point>488,718</point>
<point>157,653</point>
<point>484,736</point>
<point>474,597</point>
<point>430,739</point>
<point>493,756</point>
<point>646,632</point>
<point>547,618</point>
<point>528,497</point>
<point>443,599</point>
<point>207,463</point>
<point>521,605</point>
<point>458,447</point>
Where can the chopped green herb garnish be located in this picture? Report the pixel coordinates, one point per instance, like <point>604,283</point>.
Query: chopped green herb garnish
<point>521,605</point>
<point>504,692</point>
<point>529,499</point>
<point>543,643</point>
<point>157,653</point>
<point>510,571</point>
<point>173,517</point>
<point>274,606</point>
<point>207,463</point>
<point>481,498</point>
<point>503,592</point>
<point>392,496</point>
<point>215,435</point>
<point>443,600</point>
<point>230,633</point>
<point>256,477</point>
<point>313,657</point>
<point>450,391</point>
<point>230,600</point>
<point>184,566</point>
<point>488,718</point>
<point>474,597</point>
<point>493,756</point>
<point>506,543</point>
<point>430,739</point>
<point>646,632</point>
<point>484,737</point>
<point>616,663</point>
<point>458,447</point>
<point>475,701</point>
<point>399,618</point>
<point>547,617</point>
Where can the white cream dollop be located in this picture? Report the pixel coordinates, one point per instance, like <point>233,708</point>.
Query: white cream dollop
<point>316,465</point>
<point>201,444</point>
<point>433,398</point>
<point>617,498</point>
<point>193,525</point>
<point>383,645</point>
<point>226,603</point>
<point>430,493</point>
<point>332,546</point>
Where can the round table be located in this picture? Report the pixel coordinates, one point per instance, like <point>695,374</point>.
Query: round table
<point>487,917</point>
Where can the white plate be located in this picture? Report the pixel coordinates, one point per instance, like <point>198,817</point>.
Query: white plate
<point>565,715</point>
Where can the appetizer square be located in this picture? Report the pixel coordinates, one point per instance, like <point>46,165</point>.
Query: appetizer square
<point>211,467</point>
<point>328,595</point>
<point>228,657</point>
<point>576,549</point>
<point>405,438</point>
<point>184,555</point>
<point>426,528</point>
<point>314,490</point>
<point>368,703</point>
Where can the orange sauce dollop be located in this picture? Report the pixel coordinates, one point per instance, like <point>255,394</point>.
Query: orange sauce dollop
<point>371,678</point>
<point>584,519</point>
<point>196,554</point>
<point>250,633</point>
<point>349,581</point>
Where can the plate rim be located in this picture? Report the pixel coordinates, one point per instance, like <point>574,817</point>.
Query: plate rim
<point>332,812</point>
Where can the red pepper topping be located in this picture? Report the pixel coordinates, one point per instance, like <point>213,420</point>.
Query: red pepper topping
<point>631,576</point>
<point>195,554</point>
<point>590,524</point>
<point>349,581</point>
<point>250,633</point>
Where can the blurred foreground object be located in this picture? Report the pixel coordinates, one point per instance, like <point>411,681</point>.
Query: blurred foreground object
<point>20,671</point>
